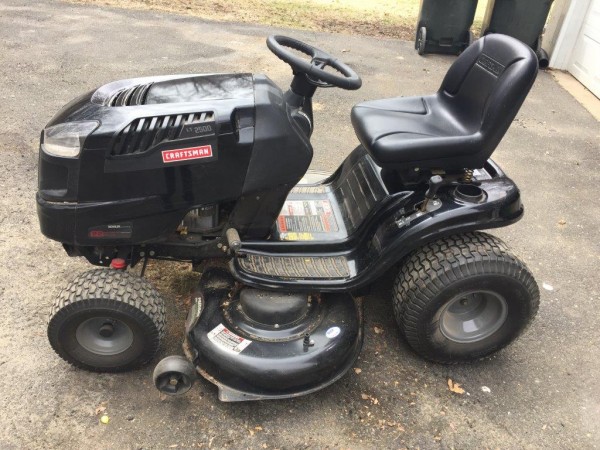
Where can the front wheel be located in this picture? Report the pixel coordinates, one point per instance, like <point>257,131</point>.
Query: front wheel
<point>463,297</point>
<point>107,321</point>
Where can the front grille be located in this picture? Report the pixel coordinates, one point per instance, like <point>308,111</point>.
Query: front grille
<point>131,96</point>
<point>144,133</point>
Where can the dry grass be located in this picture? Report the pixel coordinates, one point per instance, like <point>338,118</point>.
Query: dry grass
<point>388,18</point>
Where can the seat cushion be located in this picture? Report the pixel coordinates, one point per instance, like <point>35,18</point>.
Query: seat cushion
<point>418,131</point>
<point>459,126</point>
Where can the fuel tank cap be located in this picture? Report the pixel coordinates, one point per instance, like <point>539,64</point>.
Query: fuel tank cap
<point>273,308</point>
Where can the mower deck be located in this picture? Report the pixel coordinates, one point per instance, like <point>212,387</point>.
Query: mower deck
<point>256,345</point>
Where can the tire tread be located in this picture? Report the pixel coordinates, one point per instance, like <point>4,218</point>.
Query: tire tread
<point>96,285</point>
<point>430,269</point>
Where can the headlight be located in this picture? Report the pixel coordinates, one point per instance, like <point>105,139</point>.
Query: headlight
<point>65,139</point>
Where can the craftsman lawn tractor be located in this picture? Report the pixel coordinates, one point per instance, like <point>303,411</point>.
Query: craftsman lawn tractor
<point>212,170</point>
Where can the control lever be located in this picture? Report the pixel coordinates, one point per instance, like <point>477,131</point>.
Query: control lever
<point>435,182</point>
<point>233,240</point>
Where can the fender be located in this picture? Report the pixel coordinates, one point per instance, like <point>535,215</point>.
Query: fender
<point>390,235</point>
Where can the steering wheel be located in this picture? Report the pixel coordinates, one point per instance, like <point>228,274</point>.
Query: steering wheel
<point>315,69</point>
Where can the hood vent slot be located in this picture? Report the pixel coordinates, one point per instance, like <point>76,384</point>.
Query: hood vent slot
<point>131,96</point>
<point>144,133</point>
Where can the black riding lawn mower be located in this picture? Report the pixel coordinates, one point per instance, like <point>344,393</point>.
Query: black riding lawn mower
<point>212,170</point>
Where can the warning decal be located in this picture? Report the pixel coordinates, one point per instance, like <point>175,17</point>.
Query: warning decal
<point>227,340</point>
<point>308,216</point>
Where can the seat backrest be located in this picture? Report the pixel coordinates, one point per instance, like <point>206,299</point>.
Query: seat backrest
<point>487,85</point>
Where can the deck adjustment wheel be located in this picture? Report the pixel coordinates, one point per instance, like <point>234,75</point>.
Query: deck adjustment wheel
<point>174,375</point>
<point>463,297</point>
<point>107,321</point>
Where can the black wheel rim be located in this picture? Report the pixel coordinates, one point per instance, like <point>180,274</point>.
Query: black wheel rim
<point>104,336</point>
<point>473,316</point>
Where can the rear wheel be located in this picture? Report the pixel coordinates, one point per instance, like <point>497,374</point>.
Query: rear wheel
<point>107,321</point>
<point>463,297</point>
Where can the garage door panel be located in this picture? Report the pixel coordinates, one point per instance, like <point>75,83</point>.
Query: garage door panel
<point>585,57</point>
<point>591,23</point>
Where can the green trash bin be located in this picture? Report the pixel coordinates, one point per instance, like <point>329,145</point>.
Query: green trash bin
<point>444,26</point>
<point>521,19</point>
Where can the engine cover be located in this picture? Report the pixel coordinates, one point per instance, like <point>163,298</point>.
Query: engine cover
<point>165,146</point>
<point>257,344</point>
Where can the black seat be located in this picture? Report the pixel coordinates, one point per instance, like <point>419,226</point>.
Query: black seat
<point>460,126</point>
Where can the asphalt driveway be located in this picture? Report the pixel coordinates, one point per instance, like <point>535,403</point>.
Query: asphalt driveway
<point>543,390</point>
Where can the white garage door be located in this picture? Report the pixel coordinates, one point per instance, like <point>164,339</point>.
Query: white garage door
<point>585,57</point>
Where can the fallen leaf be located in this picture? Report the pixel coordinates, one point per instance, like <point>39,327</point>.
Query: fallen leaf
<point>455,387</point>
<point>357,370</point>
<point>377,330</point>
<point>258,428</point>
<point>364,396</point>
<point>101,408</point>
<point>375,401</point>
<point>562,222</point>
